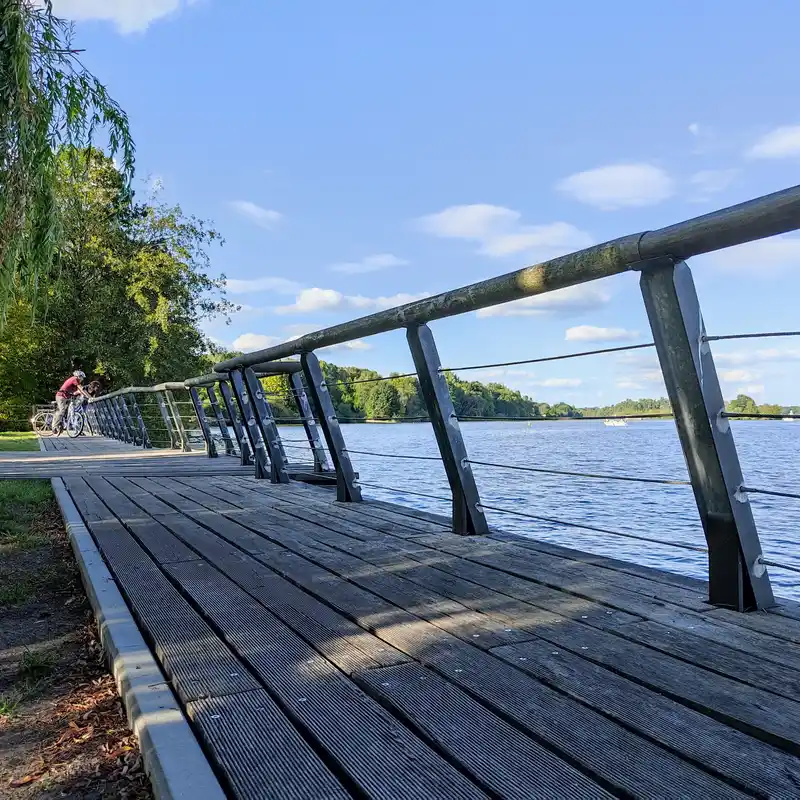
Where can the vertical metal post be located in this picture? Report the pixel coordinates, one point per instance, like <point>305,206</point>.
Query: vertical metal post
<point>737,575</point>
<point>116,422</point>
<point>176,417</point>
<point>211,448</point>
<point>347,488</point>
<point>162,407</point>
<point>140,421</point>
<point>278,472</point>
<point>244,448</point>
<point>123,425</point>
<point>223,428</point>
<point>468,516</point>
<point>102,411</point>
<point>309,425</point>
<point>90,420</point>
<point>262,469</point>
<point>130,426</point>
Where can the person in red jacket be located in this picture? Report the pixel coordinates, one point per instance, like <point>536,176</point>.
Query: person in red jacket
<point>71,387</point>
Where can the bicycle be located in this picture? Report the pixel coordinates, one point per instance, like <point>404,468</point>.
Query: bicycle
<point>74,421</point>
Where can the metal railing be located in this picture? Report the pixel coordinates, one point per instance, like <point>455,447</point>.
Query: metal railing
<point>738,575</point>
<point>248,429</point>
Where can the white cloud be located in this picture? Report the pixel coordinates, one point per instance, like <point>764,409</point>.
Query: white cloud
<point>129,16</point>
<point>738,358</point>
<point>708,182</point>
<point>782,142</point>
<point>736,375</point>
<point>267,284</point>
<point>369,264</point>
<point>765,258</point>
<point>263,217</point>
<point>619,186</point>
<point>559,383</point>
<point>630,384</point>
<point>248,342</point>
<point>694,129</point>
<point>751,389</point>
<point>573,299</point>
<point>591,333</point>
<point>316,299</point>
<point>499,233</point>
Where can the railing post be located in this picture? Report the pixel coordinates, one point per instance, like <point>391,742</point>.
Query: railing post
<point>129,423</point>
<point>140,420</point>
<point>244,448</point>
<point>223,428</point>
<point>176,417</point>
<point>116,420</point>
<point>162,407</point>
<point>309,425</point>
<point>347,488</point>
<point>737,575</point>
<point>262,469</point>
<point>123,424</point>
<point>200,413</point>
<point>107,427</point>
<point>468,516</point>
<point>278,472</point>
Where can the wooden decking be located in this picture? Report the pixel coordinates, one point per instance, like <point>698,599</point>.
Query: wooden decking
<point>325,650</point>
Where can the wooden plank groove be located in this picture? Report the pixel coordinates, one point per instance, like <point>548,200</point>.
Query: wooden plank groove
<point>382,757</point>
<point>496,754</point>
<point>196,661</point>
<point>258,750</point>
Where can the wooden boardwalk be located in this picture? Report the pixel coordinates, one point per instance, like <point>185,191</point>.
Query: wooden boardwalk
<point>326,650</point>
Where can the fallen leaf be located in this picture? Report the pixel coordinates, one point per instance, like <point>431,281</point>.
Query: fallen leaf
<point>24,781</point>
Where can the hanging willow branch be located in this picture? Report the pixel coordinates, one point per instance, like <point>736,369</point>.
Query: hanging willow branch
<point>48,101</point>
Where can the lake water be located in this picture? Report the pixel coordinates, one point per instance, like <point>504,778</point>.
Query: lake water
<point>768,451</point>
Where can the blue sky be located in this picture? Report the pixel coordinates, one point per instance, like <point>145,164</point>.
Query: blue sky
<point>358,154</point>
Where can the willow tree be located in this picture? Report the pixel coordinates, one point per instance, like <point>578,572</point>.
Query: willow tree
<point>48,102</point>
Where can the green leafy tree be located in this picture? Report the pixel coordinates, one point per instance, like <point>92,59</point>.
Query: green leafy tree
<point>383,401</point>
<point>48,101</point>
<point>743,405</point>
<point>132,288</point>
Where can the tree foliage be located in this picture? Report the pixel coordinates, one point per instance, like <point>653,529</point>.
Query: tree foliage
<point>133,284</point>
<point>49,103</point>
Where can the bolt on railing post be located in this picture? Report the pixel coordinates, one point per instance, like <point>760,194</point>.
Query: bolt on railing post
<point>177,420</point>
<point>468,516</point>
<point>250,425</point>
<point>218,416</point>
<point>140,420</point>
<point>267,427</point>
<point>211,448</point>
<point>347,488</point>
<point>244,448</point>
<point>165,416</point>
<point>309,425</point>
<point>737,575</point>
<point>127,417</point>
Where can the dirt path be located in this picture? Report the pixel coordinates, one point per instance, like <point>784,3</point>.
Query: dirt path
<point>63,732</point>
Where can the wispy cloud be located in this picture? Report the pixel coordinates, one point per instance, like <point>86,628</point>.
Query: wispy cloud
<point>783,142</point>
<point>374,263</point>
<point>250,342</point>
<point>316,299</point>
<point>499,232</point>
<point>619,186</point>
<point>266,284</point>
<point>708,182</point>
<point>591,333</point>
<point>559,383</point>
<point>263,217</point>
<point>765,258</point>
<point>129,16</point>
<point>736,375</point>
<point>572,300</point>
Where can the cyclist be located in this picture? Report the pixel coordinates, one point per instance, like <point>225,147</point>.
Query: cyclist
<point>71,387</point>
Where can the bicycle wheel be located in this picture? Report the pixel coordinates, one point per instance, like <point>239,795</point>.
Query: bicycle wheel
<point>75,425</point>
<point>40,424</point>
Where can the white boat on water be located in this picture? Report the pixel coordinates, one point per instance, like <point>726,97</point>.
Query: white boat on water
<point>791,417</point>
<point>615,423</point>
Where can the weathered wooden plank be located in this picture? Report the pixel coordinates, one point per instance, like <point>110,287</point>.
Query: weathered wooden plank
<point>197,663</point>
<point>382,757</point>
<point>752,765</point>
<point>498,756</point>
<point>612,754</point>
<point>779,626</point>
<point>162,545</point>
<point>259,752</point>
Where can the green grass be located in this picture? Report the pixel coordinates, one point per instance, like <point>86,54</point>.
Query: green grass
<point>20,503</point>
<point>18,440</point>
<point>34,667</point>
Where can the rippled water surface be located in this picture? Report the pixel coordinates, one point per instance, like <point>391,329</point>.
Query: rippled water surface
<point>768,451</point>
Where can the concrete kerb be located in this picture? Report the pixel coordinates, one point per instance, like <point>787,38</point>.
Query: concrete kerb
<point>173,759</point>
